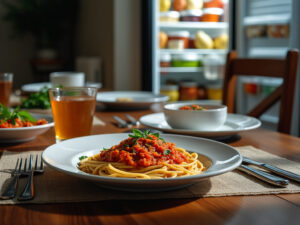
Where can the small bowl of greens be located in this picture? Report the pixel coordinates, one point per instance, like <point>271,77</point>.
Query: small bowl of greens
<point>20,126</point>
<point>38,102</point>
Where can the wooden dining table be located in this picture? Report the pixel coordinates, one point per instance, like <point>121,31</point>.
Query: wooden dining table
<point>259,209</point>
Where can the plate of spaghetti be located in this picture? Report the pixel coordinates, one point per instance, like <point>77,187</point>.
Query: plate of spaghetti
<point>21,126</point>
<point>142,161</point>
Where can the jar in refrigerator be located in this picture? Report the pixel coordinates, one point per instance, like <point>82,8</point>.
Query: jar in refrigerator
<point>192,41</point>
<point>165,60</point>
<point>214,4</point>
<point>180,35</point>
<point>202,92</point>
<point>191,15</point>
<point>214,91</point>
<point>211,14</point>
<point>188,90</point>
<point>214,66</point>
<point>176,44</point>
<point>185,60</point>
<point>169,16</point>
<point>171,91</point>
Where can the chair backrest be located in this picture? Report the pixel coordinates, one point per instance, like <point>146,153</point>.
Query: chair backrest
<point>284,68</point>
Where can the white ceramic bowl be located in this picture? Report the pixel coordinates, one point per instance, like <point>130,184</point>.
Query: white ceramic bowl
<point>23,134</point>
<point>203,120</point>
<point>67,79</point>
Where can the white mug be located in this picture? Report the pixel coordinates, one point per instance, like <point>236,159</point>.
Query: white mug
<point>67,79</point>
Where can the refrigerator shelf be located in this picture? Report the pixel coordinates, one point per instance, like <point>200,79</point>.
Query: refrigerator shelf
<point>196,51</point>
<point>180,69</point>
<point>267,19</point>
<point>193,25</point>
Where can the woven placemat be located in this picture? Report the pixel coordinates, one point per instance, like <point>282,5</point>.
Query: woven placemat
<point>54,187</point>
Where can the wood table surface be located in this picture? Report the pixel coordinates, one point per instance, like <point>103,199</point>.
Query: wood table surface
<point>239,210</point>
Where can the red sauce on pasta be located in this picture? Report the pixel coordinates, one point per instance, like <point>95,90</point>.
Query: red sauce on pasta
<point>21,123</point>
<point>143,152</point>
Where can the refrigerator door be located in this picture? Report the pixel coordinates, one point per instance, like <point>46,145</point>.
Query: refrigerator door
<point>266,29</point>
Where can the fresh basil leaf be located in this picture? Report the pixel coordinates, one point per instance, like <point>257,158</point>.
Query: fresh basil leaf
<point>156,135</point>
<point>147,132</point>
<point>137,132</point>
<point>82,157</point>
<point>163,140</point>
<point>167,152</point>
<point>26,116</point>
<point>105,149</point>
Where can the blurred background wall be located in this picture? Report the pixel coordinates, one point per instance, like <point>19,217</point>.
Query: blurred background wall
<point>108,29</point>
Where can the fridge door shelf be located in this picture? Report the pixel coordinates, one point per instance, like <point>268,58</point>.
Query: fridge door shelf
<point>193,25</point>
<point>196,51</point>
<point>267,19</point>
<point>180,69</point>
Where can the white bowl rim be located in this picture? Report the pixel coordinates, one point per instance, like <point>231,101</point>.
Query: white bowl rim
<point>66,73</point>
<point>176,106</point>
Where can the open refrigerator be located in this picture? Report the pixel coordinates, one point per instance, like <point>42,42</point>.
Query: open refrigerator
<point>189,55</point>
<point>255,28</point>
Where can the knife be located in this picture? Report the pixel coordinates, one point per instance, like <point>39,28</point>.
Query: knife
<point>277,181</point>
<point>132,120</point>
<point>273,169</point>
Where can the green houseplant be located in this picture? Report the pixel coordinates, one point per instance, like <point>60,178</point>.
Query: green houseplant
<point>48,21</point>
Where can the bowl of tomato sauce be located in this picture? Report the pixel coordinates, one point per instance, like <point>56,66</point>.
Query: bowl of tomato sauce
<point>193,116</point>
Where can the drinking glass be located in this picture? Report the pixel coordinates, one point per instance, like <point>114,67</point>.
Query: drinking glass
<point>6,80</point>
<point>73,111</point>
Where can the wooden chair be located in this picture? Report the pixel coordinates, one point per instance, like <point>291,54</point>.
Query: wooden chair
<point>285,68</point>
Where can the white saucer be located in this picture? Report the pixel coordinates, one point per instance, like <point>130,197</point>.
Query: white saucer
<point>234,124</point>
<point>36,87</point>
<point>137,99</point>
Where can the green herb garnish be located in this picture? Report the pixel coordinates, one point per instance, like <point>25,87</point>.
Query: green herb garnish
<point>39,100</point>
<point>7,115</point>
<point>167,152</point>
<point>82,157</point>
<point>140,134</point>
<point>105,149</point>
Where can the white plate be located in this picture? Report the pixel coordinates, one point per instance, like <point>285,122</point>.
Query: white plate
<point>234,124</point>
<point>36,87</point>
<point>218,157</point>
<point>139,99</point>
<point>23,134</point>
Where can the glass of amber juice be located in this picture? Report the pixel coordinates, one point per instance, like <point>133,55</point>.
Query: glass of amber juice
<point>73,111</point>
<point>6,80</point>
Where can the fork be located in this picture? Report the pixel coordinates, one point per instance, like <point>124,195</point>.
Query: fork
<point>132,120</point>
<point>10,191</point>
<point>121,123</point>
<point>28,192</point>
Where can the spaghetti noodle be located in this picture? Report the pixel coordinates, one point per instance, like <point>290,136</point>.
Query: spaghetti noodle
<point>144,156</point>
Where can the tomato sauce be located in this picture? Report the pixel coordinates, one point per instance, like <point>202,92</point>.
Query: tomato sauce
<point>20,123</point>
<point>192,107</point>
<point>143,152</point>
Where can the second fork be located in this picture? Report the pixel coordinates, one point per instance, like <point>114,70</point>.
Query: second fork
<point>10,191</point>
